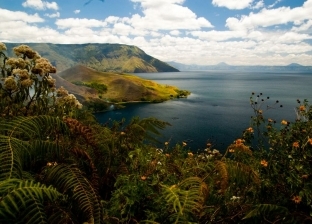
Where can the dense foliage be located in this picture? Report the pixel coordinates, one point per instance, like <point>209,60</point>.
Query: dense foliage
<point>58,165</point>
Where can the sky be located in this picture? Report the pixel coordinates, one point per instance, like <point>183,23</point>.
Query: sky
<point>203,32</point>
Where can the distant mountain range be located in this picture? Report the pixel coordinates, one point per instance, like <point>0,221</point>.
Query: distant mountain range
<point>293,67</point>
<point>101,57</point>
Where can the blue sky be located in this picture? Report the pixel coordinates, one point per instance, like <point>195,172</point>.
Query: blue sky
<point>205,32</point>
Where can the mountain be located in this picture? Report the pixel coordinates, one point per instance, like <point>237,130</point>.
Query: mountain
<point>102,57</point>
<point>120,87</point>
<point>293,67</point>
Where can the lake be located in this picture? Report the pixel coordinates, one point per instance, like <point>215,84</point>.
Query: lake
<point>218,109</point>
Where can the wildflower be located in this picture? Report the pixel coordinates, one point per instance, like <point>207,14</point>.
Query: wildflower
<point>284,122</point>
<point>231,150</point>
<point>208,145</point>
<point>264,163</point>
<point>184,143</point>
<point>239,141</point>
<point>310,141</point>
<point>296,199</point>
<point>190,154</point>
<point>61,92</point>
<point>2,47</point>
<point>10,83</point>
<point>27,83</point>
<point>250,130</point>
<point>302,108</point>
<point>143,177</point>
<point>296,144</point>
<point>159,163</point>
<point>215,151</point>
<point>260,111</point>
<point>234,198</point>
<point>167,155</point>
<point>305,176</point>
<point>270,120</point>
<point>122,133</point>
<point>25,50</point>
<point>166,143</point>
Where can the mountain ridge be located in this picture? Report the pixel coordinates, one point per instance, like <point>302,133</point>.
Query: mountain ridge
<point>293,67</point>
<point>102,57</point>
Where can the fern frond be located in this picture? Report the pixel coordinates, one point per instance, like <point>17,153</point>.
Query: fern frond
<point>85,158</point>
<point>266,210</point>
<point>34,127</point>
<point>223,174</point>
<point>58,215</point>
<point>241,173</point>
<point>186,198</point>
<point>70,180</point>
<point>12,154</point>
<point>19,196</point>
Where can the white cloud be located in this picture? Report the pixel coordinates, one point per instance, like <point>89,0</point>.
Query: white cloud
<point>76,22</point>
<point>303,26</point>
<point>233,4</point>
<point>276,2</point>
<point>77,11</point>
<point>40,5</point>
<point>175,32</point>
<point>258,5</point>
<point>7,15</point>
<point>53,15</point>
<point>271,17</point>
<point>167,15</point>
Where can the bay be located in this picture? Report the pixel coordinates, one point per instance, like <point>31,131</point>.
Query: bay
<point>218,109</point>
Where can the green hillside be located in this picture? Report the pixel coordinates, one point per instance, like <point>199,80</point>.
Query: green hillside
<point>101,57</point>
<point>121,87</point>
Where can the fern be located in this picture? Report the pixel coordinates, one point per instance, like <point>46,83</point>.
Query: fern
<point>268,211</point>
<point>24,139</point>
<point>12,151</point>
<point>70,180</point>
<point>186,198</point>
<point>23,200</point>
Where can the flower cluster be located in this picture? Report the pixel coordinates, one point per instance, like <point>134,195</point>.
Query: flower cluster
<point>2,47</point>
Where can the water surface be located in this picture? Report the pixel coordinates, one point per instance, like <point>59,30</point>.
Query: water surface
<point>218,108</point>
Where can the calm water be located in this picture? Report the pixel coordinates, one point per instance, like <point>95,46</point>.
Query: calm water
<point>218,108</point>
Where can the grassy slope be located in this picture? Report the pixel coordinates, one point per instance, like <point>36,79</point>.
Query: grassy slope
<point>121,87</point>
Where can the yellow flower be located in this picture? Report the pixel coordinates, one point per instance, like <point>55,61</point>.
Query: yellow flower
<point>190,154</point>
<point>296,199</point>
<point>264,163</point>
<point>143,177</point>
<point>284,122</point>
<point>302,108</point>
<point>310,141</point>
<point>231,150</point>
<point>122,133</point>
<point>166,143</point>
<point>168,155</point>
<point>296,144</point>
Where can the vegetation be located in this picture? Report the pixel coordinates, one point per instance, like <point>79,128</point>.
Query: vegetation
<point>101,57</point>
<point>101,88</point>
<point>121,88</point>
<point>58,165</point>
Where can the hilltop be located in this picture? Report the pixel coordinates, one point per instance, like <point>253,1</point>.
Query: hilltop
<point>120,87</point>
<point>102,57</point>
